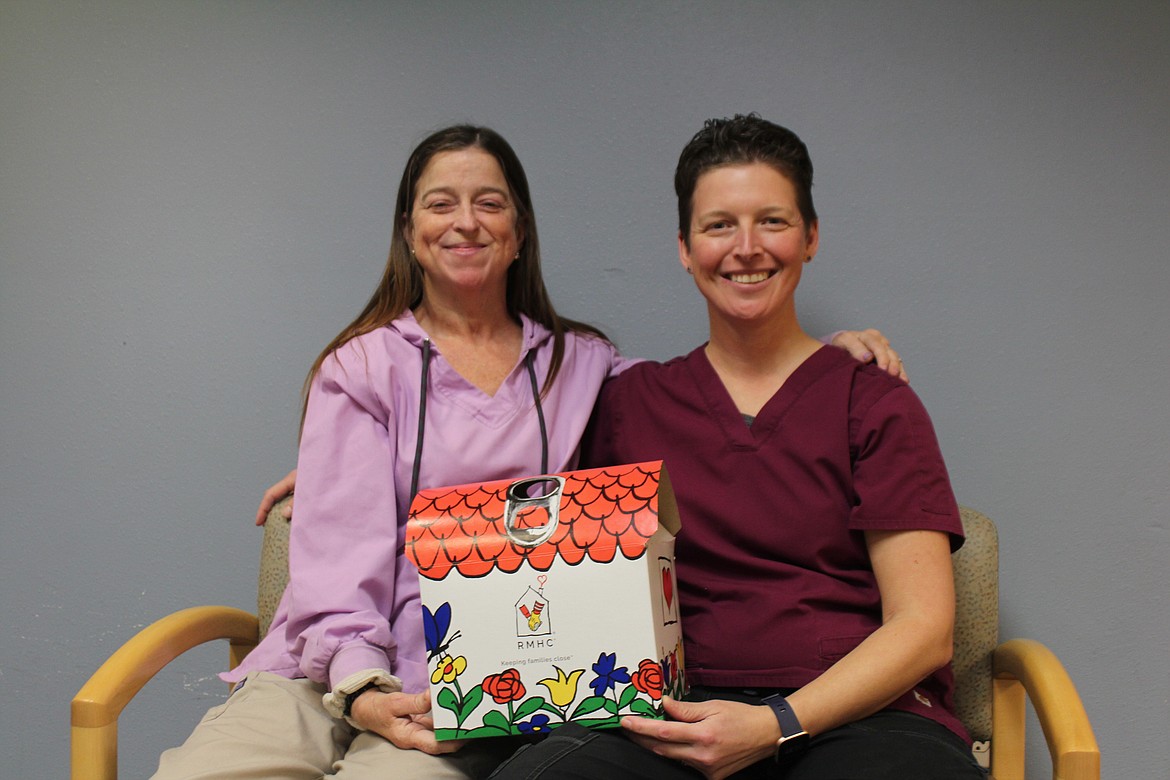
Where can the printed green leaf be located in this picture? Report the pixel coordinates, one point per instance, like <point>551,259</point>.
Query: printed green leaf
<point>479,731</point>
<point>496,720</point>
<point>470,702</point>
<point>627,696</point>
<point>447,700</point>
<point>643,707</point>
<point>528,707</point>
<point>599,723</point>
<point>591,704</point>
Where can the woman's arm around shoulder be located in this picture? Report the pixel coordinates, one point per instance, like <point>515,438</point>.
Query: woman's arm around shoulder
<point>870,346</point>
<point>273,495</point>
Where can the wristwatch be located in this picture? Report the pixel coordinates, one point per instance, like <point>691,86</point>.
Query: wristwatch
<point>352,697</point>
<point>793,737</point>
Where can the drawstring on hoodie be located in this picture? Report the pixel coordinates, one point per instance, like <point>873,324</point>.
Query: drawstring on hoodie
<point>529,362</point>
<point>422,417</point>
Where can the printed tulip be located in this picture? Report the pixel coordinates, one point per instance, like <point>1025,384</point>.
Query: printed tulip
<point>563,690</point>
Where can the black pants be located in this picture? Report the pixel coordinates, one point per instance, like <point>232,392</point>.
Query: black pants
<point>885,746</point>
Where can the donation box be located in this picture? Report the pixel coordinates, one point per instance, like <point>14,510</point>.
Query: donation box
<point>549,599</point>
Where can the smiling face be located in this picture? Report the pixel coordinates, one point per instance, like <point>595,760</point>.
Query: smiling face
<point>462,227</point>
<point>747,243</point>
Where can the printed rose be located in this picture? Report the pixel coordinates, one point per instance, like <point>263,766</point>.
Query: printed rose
<point>648,679</point>
<point>504,687</point>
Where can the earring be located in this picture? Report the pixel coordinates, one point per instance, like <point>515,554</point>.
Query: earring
<point>690,271</point>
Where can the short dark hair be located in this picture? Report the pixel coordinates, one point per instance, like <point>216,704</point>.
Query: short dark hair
<point>737,141</point>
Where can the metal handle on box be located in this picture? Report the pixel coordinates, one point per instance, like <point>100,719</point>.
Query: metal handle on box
<point>519,501</point>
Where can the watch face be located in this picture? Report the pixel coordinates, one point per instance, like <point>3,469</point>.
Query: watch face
<point>788,745</point>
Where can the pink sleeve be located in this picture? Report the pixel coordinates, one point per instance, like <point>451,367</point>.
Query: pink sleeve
<point>619,362</point>
<point>343,546</point>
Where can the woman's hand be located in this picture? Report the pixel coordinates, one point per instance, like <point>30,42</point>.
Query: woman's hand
<point>274,494</point>
<point>871,346</point>
<point>402,718</point>
<point>717,738</point>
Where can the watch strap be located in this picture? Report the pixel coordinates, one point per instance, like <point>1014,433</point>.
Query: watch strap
<point>793,737</point>
<point>352,697</point>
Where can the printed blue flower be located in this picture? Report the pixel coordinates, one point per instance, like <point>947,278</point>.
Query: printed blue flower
<point>538,725</point>
<point>607,676</point>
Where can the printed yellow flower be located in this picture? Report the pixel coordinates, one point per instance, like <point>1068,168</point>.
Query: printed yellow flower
<point>562,690</point>
<point>448,669</point>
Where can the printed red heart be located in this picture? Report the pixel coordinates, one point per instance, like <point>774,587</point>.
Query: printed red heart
<point>667,586</point>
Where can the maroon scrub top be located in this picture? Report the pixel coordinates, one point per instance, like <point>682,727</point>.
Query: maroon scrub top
<point>775,583</point>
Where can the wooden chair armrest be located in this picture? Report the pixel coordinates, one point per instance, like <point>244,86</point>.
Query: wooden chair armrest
<point>1027,670</point>
<point>99,703</point>
<point>101,700</point>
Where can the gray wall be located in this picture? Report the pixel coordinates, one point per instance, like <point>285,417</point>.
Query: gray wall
<point>195,196</point>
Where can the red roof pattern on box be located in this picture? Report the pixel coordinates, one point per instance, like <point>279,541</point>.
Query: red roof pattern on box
<point>601,511</point>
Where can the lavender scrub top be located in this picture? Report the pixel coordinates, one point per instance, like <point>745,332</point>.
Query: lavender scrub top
<point>352,603</point>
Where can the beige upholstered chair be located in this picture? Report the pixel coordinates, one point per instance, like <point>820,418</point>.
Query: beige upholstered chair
<point>994,680</point>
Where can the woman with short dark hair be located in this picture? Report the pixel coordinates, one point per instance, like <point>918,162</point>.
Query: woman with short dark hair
<point>817,518</point>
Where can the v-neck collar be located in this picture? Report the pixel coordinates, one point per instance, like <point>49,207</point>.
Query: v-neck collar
<point>514,394</point>
<point>770,418</point>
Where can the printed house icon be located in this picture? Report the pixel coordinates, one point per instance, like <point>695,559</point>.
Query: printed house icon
<point>533,614</point>
<point>495,558</point>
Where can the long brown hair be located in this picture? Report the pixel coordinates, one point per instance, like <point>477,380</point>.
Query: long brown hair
<point>401,287</point>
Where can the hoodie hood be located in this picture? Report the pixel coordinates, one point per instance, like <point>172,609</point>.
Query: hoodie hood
<point>406,326</point>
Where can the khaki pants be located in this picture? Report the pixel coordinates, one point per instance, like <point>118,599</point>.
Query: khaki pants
<point>273,727</point>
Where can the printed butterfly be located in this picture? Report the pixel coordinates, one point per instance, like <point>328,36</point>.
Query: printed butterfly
<point>435,627</point>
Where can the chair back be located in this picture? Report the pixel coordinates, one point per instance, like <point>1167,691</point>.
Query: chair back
<point>273,577</point>
<point>976,566</point>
